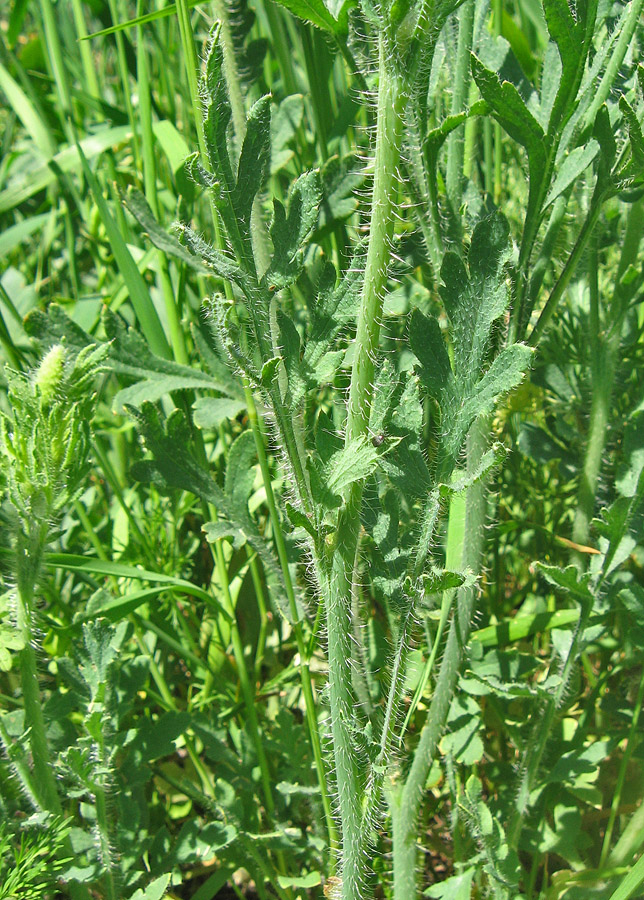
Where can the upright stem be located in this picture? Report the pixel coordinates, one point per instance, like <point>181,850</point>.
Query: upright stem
<point>631,743</point>
<point>392,99</point>
<point>456,140</point>
<point>339,567</point>
<point>630,20</point>
<point>305,673</point>
<point>603,368</point>
<point>568,271</point>
<point>28,564</point>
<point>43,780</point>
<point>407,799</point>
<point>55,52</point>
<point>177,336</point>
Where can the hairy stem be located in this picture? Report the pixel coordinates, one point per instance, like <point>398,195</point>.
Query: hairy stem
<point>304,671</point>
<point>341,563</point>
<point>601,92</point>
<point>631,743</point>
<point>407,799</point>
<point>603,366</point>
<point>456,140</point>
<point>44,782</point>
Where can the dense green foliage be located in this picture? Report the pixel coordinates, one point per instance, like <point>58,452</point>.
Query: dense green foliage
<point>322,450</point>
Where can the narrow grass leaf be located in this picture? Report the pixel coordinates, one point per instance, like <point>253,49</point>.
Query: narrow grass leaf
<point>630,883</point>
<point>13,236</point>
<point>40,134</point>
<point>41,175</point>
<point>139,295</point>
<point>108,568</point>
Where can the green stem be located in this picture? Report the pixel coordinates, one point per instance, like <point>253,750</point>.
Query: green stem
<point>125,83</point>
<point>177,336</point>
<point>461,83</point>
<point>85,48</point>
<point>169,702</point>
<point>17,762</point>
<point>392,100</point>
<point>544,721</point>
<point>191,69</point>
<point>568,271</point>
<point>453,563</point>
<point>102,818</point>
<point>498,137</point>
<point>406,800</point>
<point>55,53</point>
<point>339,567</point>
<point>279,44</point>
<point>631,743</point>
<point>43,780</point>
<point>601,92</point>
<point>603,369</point>
<point>28,564</point>
<point>304,671</point>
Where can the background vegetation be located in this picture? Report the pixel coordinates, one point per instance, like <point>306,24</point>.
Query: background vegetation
<point>164,676</point>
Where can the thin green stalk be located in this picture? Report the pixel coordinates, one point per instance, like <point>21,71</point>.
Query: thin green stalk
<point>631,743</point>
<point>541,264</point>
<point>42,782</point>
<point>191,69</point>
<point>318,87</point>
<point>544,719</point>
<point>258,587</point>
<point>259,235</point>
<point>102,820</point>
<point>423,185</point>
<point>568,271</point>
<point>453,563</point>
<point>280,45</point>
<point>169,702</point>
<point>406,799</point>
<point>248,692</point>
<point>238,650</point>
<point>89,72</point>
<point>10,350</point>
<point>231,72</point>
<point>340,564</point>
<point>603,367</point>
<point>606,85</point>
<point>630,840</point>
<point>177,333</point>
<point>29,555</point>
<point>125,83</point>
<point>392,100</point>
<point>461,83</point>
<point>304,670</point>
<point>498,137</point>
<point>55,54</point>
